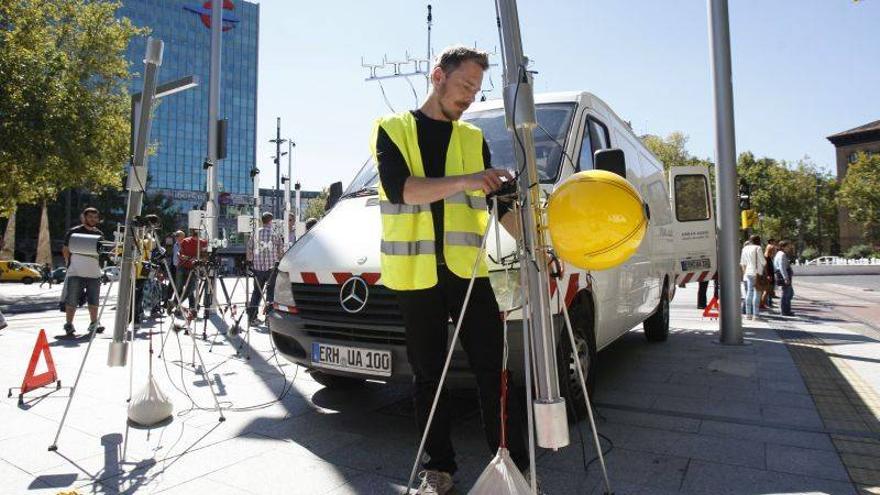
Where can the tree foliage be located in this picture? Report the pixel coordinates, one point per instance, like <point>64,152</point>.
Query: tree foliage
<point>672,150</point>
<point>64,107</point>
<point>860,194</point>
<point>315,208</point>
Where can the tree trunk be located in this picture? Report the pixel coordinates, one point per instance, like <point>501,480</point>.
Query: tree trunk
<point>44,248</point>
<point>8,250</point>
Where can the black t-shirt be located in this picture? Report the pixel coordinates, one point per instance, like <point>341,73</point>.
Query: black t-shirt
<point>434,138</point>
<point>82,229</point>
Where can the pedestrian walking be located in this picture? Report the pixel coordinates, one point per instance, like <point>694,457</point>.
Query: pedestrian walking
<point>46,275</point>
<point>83,273</point>
<point>752,262</point>
<point>264,249</point>
<point>428,161</point>
<point>783,272</point>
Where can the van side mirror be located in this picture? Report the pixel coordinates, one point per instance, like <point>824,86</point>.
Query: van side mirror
<point>611,160</point>
<point>334,194</point>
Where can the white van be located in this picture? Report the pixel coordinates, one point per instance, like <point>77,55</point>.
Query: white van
<point>334,316</point>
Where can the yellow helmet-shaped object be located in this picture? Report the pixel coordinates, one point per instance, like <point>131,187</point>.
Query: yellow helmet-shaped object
<point>596,220</point>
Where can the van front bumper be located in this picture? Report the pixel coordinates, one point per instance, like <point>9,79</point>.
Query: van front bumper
<point>293,340</point>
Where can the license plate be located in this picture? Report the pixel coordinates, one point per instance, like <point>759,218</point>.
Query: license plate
<point>340,357</point>
<point>697,264</point>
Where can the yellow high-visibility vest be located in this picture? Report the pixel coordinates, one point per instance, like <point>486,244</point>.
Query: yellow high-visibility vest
<point>408,257</point>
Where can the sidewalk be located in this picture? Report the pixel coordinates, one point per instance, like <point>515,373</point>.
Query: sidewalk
<point>794,411</point>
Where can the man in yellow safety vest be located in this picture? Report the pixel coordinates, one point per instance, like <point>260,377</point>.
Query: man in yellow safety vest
<point>435,173</point>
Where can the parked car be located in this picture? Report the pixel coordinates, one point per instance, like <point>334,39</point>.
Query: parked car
<point>14,271</point>
<point>111,274</point>
<point>58,274</point>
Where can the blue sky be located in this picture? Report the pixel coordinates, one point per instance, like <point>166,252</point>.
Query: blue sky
<point>802,69</point>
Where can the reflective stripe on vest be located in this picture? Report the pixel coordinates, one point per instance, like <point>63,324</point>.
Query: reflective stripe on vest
<point>404,248</point>
<point>463,239</point>
<point>475,202</point>
<point>389,208</point>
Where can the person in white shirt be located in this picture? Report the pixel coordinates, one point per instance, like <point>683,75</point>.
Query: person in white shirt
<point>752,263</point>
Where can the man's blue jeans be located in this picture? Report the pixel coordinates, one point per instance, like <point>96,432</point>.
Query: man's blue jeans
<point>785,302</point>
<point>261,278</point>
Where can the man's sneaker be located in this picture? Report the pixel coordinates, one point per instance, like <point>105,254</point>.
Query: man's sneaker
<point>68,329</point>
<point>96,327</point>
<point>435,483</point>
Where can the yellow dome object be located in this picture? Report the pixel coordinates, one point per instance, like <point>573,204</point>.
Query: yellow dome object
<point>596,220</point>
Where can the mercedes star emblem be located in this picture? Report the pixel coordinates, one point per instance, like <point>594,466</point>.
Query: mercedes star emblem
<point>353,295</point>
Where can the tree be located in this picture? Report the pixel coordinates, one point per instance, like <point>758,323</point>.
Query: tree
<point>315,207</point>
<point>63,97</point>
<point>672,150</point>
<point>860,194</point>
<point>786,200</point>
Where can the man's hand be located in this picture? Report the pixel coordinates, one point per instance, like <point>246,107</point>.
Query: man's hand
<point>488,180</point>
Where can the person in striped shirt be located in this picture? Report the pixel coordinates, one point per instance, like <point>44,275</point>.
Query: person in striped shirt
<point>264,250</point>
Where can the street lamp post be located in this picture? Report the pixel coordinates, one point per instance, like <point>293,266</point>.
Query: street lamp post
<point>818,215</point>
<point>278,142</point>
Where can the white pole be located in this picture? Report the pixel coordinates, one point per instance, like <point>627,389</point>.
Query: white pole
<point>287,215</point>
<point>213,111</point>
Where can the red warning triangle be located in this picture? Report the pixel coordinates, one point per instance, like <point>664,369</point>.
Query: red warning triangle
<point>32,381</point>
<point>713,310</point>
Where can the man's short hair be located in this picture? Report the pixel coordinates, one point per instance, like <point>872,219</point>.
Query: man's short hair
<point>453,56</point>
<point>90,209</point>
<point>755,239</point>
<point>266,216</point>
<point>179,233</point>
<point>783,244</point>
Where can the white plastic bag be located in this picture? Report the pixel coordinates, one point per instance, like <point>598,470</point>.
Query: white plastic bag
<point>501,477</point>
<point>150,406</point>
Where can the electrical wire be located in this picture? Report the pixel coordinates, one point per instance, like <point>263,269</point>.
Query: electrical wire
<point>385,97</point>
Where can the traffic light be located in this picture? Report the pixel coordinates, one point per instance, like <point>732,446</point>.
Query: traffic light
<point>748,218</point>
<point>745,196</point>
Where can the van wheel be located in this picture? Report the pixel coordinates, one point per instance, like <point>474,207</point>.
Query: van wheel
<point>336,382</point>
<point>27,281</point>
<point>581,315</point>
<point>657,325</point>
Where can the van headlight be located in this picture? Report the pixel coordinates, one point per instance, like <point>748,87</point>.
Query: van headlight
<point>507,288</point>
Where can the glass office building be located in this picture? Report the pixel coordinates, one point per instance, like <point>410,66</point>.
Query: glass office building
<point>180,124</point>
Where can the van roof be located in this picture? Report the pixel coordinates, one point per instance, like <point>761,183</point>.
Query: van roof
<point>554,97</point>
<point>584,98</point>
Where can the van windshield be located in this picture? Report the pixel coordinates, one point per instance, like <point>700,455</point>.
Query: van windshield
<point>554,121</point>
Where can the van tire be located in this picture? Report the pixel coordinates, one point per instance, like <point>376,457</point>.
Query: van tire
<point>27,281</point>
<point>336,382</point>
<point>582,323</point>
<point>657,325</point>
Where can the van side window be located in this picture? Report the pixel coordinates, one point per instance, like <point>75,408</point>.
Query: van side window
<point>691,198</point>
<point>595,138</point>
<point>599,135</point>
<point>585,162</point>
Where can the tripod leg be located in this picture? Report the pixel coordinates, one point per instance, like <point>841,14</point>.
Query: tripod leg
<point>207,378</point>
<point>82,366</point>
<point>583,385</point>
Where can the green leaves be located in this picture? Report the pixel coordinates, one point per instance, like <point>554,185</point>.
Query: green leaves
<point>860,194</point>
<point>64,105</point>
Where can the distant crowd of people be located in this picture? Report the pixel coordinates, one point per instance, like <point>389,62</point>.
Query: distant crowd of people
<point>764,269</point>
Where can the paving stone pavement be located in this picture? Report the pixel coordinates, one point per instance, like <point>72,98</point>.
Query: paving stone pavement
<point>688,416</point>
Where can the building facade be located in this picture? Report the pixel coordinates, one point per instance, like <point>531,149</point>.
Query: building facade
<point>848,144</point>
<point>180,121</point>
